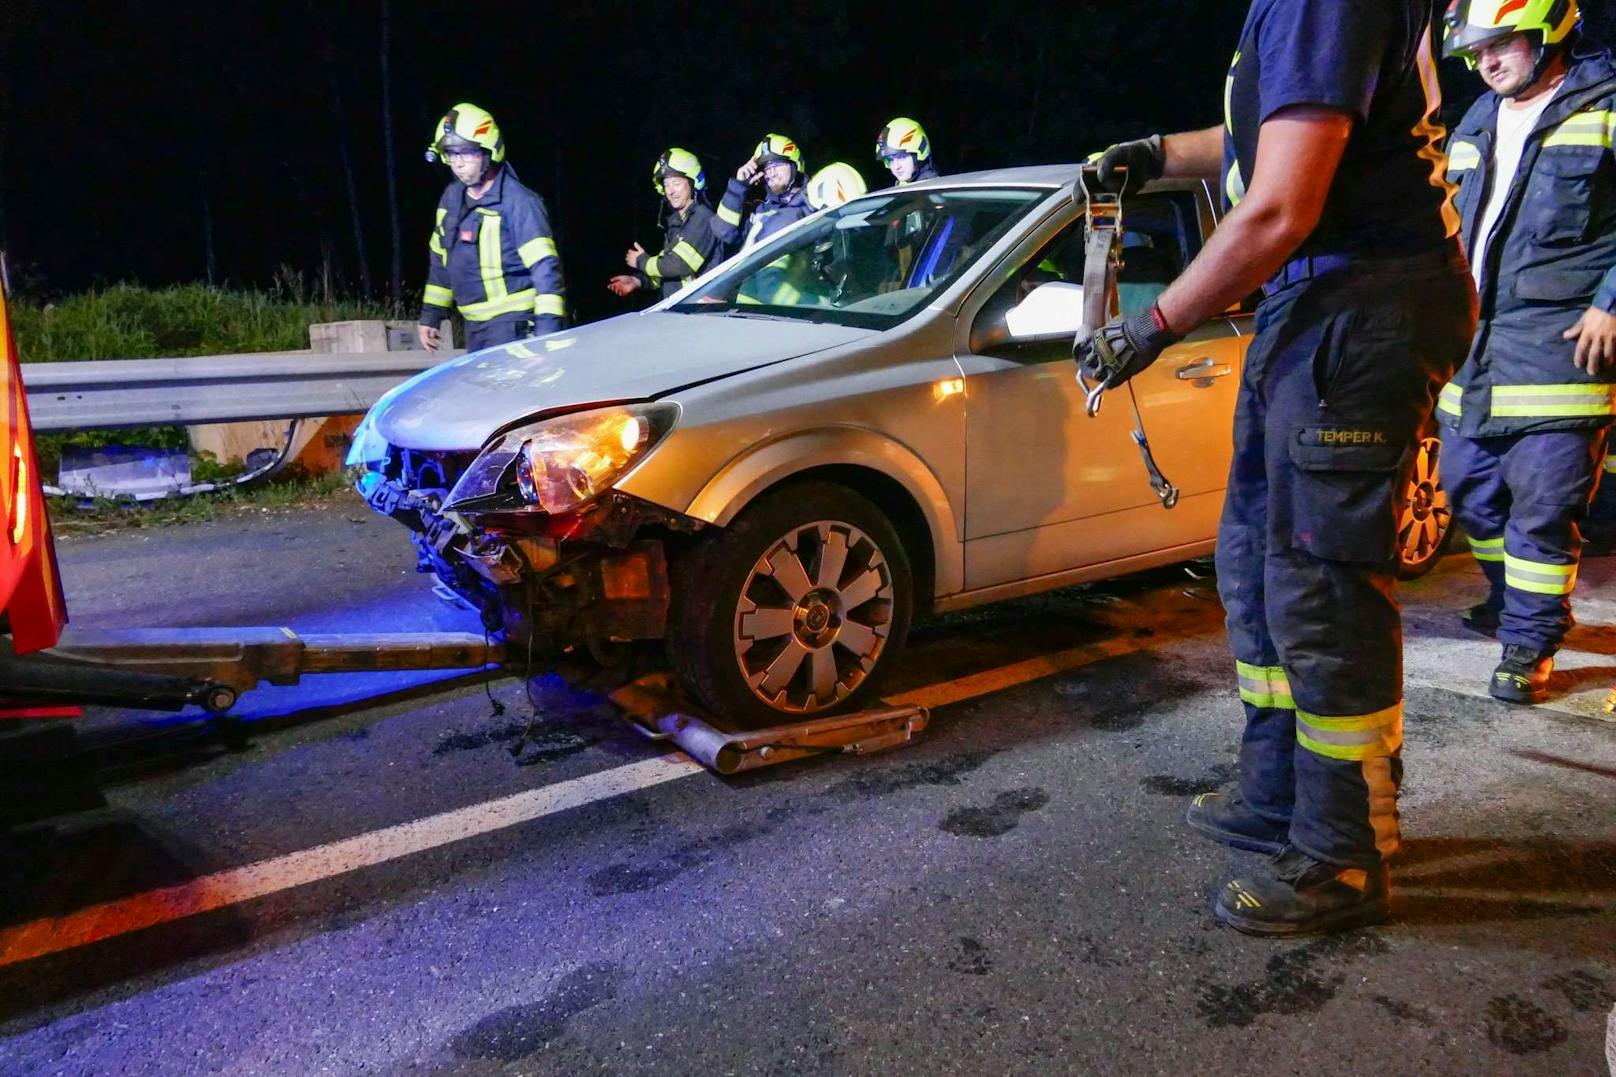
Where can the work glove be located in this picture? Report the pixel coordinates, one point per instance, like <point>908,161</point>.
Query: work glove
<point>1144,159</point>
<point>1123,347</point>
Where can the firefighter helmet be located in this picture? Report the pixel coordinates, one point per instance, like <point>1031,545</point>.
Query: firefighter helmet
<point>678,162</point>
<point>903,135</point>
<point>466,125</point>
<point>1472,24</point>
<point>778,148</point>
<point>834,184</point>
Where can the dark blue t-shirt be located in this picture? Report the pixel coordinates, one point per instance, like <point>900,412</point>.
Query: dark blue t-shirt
<point>1370,58</point>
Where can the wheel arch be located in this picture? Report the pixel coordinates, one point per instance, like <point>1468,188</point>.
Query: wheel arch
<point>871,464</point>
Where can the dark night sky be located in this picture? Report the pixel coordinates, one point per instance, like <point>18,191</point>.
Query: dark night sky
<point>120,123</point>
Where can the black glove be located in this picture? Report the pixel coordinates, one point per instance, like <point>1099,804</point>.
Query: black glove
<point>1144,158</point>
<point>1124,347</point>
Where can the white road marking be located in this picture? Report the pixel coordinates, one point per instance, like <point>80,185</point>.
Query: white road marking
<point>54,934</point>
<point>50,935</point>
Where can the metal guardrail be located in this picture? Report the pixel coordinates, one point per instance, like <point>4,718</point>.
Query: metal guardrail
<point>214,388</point>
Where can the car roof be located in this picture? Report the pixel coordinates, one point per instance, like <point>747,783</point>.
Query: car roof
<point>1053,177</point>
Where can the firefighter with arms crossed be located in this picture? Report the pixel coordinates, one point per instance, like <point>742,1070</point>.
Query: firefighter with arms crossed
<point>1331,166</point>
<point>492,253</point>
<point>689,243</point>
<point>1525,421</point>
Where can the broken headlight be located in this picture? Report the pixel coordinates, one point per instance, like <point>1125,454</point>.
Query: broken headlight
<point>559,464</point>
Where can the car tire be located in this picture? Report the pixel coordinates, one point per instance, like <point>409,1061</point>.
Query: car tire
<point>794,611</point>
<point>1424,515</point>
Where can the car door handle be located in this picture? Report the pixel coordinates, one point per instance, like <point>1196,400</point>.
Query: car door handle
<point>1204,369</point>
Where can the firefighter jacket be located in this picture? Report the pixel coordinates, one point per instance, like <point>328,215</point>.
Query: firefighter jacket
<point>1552,256</point>
<point>768,216</point>
<point>493,257</point>
<point>689,245</point>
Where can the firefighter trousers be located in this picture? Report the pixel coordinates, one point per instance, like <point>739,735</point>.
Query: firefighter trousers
<point>1521,500</point>
<point>1337,385</point>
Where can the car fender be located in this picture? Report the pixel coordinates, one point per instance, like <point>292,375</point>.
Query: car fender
<point>746,476</point>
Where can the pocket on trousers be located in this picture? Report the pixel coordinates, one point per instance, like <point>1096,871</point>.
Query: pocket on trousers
<point>1344,495</point>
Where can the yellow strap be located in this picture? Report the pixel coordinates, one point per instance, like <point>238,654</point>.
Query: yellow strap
<point>689,255</point>
<point>438,296</point>
<point>535,249</point>
<point>729,216</point>
<point>550,304</point>
<point>514,303</point>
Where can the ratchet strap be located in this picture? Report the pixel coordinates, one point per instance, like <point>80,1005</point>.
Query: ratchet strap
<point>1102,258</point>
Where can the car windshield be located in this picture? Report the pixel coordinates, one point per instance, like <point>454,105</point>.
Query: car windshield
<point>870,263</point>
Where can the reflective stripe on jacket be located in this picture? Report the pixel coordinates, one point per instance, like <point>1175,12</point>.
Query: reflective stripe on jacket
<point>768,216</point>
<point>1553,256</point>
<point>494,257</point>
<point>689,246</point>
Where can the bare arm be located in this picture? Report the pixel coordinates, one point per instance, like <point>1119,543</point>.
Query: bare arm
<point>1298,152</point>
<point>1194,155</point>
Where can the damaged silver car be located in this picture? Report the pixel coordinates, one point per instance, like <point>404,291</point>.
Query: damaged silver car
<point>868,418</point>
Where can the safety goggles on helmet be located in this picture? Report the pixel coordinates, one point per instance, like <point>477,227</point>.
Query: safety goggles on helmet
<point>835,184</point>
<point>1472,25</point>
<point>466,125</point>
<point>902,135</point>
<point>678,162</point>
<point>778,148</point>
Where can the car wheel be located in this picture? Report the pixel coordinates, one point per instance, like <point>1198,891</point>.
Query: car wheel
<point>795,610</point>
<point>1425,518</point>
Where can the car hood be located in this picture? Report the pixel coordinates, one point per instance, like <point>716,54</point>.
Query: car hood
<point>458,404</point>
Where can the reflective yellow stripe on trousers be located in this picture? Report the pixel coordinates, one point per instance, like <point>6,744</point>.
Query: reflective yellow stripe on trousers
<point>1487,549</point>
<point>1539,577</point>
<point>1351,737</point>
<point>1264,686</point>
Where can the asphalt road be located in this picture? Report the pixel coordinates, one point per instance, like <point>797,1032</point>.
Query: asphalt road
<point>441,889</point>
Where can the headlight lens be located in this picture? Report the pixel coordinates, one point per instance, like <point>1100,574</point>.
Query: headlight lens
<point>559,464</point>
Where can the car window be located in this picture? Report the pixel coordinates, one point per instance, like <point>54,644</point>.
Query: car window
<point>870,263</point>
<point>1160,235</point>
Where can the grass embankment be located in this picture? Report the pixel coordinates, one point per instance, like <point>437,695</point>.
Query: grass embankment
<point>129,322</point>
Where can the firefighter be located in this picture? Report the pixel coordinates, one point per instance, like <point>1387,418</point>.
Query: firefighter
<point>1330,160</point>
<point>689,241</point>
<point>835,184</point>
<point>776,163</point>
<point>903,148</point>
<point>492,253</point>
<point>1527,417</point>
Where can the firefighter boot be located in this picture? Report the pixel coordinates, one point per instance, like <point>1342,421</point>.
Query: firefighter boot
<point>1522,676</point>
<point>1303,896</point>
<point>1229,820</point>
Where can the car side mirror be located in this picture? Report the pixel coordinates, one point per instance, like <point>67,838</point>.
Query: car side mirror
<point>1052,311</point>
